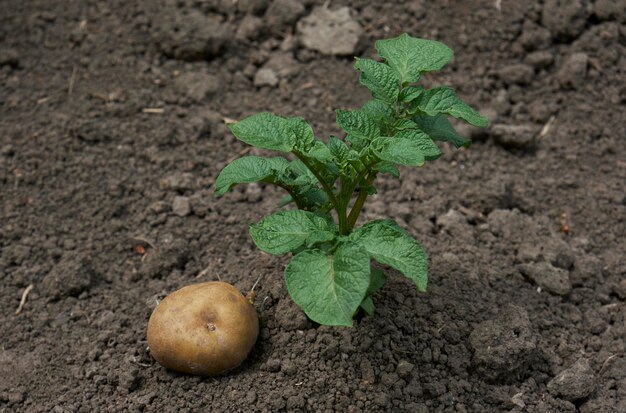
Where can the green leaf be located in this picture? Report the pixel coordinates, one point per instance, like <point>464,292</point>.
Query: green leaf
<point>346,159</point>
<point>313,197</point>
<point>249,169</point>
<point>293,176</point>
<point>378,278</point>
<point>278,163</point>
<point>285,231</point>
<point>379,78</point>
<point>404,124</point>
<point>329,288</point>
<point>382,113</point>
<point>400,151</point>
<point>410,93</point>
<point>268,131</point>
<point>389,244</point>
<point>424,143</point>
<point>298,174</point>
<point>301,183</point>
<point>358,124</point>
<point>265,130</point>
<point>287,199</point>
<point>353,156</point>
<point>303,132</point>
<point>368,306</point>
<point>338,149</point>
<point>411,56</point>
<point>439,128</point>
<point>319,151</point>
<point>407,129</point>
<point>387,168</point>
<point>443,100</point>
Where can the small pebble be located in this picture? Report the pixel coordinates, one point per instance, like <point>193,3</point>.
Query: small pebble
<point>265,77</point>
<point>181,206</point>
<point>573,71</point>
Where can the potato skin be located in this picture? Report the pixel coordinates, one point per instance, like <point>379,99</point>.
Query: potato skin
<point>203,329</point>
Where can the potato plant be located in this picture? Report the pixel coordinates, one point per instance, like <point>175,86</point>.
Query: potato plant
<point>330,275</point>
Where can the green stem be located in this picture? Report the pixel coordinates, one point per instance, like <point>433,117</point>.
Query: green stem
<point>341,212</point>
<point>295,197</point>
<point>356,182</point>
<point>343,207</point>
<point>360,200</point>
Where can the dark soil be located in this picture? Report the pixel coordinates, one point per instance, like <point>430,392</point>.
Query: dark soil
<point>526,306</point>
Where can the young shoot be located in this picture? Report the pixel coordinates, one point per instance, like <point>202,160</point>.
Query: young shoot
<point>330,275</point>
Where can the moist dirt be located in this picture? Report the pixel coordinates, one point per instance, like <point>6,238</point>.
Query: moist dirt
<point>112,134</point>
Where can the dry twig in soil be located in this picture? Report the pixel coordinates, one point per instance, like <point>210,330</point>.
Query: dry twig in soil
<point>23,300</point>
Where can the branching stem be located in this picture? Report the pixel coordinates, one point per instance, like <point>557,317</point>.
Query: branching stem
<point>339,207</point>
<point>360,200</point>
<point>295,197</point>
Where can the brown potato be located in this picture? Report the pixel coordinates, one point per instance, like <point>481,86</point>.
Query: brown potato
<point>204,329</point>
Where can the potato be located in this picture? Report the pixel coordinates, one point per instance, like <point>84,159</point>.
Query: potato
<point>204,329</point>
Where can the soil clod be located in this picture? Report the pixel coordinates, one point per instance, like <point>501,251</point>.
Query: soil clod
<point>575,382</point>
<point>330,32</point>
<point>504,347</point>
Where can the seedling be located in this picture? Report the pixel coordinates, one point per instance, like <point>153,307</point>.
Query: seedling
<point>330,275</point>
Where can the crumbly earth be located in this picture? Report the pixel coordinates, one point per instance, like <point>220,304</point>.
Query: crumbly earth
<point>112,134</point>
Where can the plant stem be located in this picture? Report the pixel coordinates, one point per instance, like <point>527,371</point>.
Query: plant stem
<point>343,221</point>
<point>341,211</point>
<point>295,197</point>
<point>354,184</point>
<point>360,200</point>
<point>342,202</point>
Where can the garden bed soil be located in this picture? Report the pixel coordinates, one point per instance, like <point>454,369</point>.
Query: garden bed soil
<point>112,135</point>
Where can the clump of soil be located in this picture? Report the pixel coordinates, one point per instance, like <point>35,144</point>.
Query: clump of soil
<point>112,135</point>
